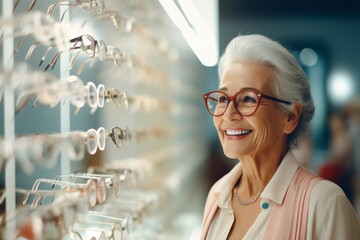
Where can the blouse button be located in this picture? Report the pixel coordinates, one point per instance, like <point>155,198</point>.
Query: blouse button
<point>265,205</point>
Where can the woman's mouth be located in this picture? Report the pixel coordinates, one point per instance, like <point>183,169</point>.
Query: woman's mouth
<point>233,132</point>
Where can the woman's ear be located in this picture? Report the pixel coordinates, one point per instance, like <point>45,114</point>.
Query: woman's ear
<point>293,118</point>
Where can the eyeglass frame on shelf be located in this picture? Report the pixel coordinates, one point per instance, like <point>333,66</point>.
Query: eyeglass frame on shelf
<point>43,29</point>
<point>89,187</point>
<point>101,186</point>
<point>127,222</point>
<point>128,175</point>
<point>113,181</point>
<point>83,47</point>
<point>98,5</point>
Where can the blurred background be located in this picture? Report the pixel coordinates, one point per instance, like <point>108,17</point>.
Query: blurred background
<point>180,156</point>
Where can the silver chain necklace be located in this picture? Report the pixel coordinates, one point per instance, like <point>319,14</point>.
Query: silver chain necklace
<point>248,202</point>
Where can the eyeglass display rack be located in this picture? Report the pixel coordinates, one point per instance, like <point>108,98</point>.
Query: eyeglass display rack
<point>9,125</point>
<point>159,79</point>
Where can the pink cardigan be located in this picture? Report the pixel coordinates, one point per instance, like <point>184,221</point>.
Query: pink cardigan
<point>287,220</point>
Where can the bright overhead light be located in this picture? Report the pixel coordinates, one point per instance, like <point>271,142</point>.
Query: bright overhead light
<point>195,31</point>
<point>340,87</point>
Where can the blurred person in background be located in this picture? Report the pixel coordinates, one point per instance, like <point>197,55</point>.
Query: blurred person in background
<point>337,165</point>
<point>352,115</point>
<point>260,111</point>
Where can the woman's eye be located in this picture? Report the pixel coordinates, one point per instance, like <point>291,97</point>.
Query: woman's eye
<point>222,99</point>
<point>248,99</point>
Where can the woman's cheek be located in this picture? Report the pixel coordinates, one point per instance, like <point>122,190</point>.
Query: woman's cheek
<point>260,138</point>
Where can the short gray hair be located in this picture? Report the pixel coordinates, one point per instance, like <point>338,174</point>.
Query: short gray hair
<point>291,82</point>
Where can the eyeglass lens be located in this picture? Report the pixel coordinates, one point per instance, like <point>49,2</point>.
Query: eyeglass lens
<point>101,134</point>
<point>91,188</point>
<point>116,97</point>
<point>117,136</point>
<point>117,231</point>
<point>92,95</point>
<point>91,142</point>
<point>116,185</point>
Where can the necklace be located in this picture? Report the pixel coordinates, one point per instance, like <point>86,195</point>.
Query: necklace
<point>248,202</point>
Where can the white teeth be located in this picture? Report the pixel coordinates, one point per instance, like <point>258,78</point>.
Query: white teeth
<point>237,132</point>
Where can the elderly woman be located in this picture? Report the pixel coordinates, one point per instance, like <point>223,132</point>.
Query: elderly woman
<point>261,110</point>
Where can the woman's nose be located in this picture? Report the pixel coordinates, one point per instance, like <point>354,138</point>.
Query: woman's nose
<point>231,112</point>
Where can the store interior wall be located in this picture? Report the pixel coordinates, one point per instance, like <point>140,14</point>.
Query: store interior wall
<point>184,131</point>
<point>32,120</point>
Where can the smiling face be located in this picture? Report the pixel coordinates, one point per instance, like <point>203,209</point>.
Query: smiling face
<point>261,133</point>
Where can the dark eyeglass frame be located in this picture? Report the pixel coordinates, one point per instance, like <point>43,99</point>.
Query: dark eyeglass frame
<point>233,99</point>
<point>117,133</point>
<point>75,41</point>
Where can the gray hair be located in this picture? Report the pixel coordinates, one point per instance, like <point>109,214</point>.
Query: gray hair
<point>291,82</point>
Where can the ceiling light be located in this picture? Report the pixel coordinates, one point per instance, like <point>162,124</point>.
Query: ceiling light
<point>196,32</point>
<point>340,87</point>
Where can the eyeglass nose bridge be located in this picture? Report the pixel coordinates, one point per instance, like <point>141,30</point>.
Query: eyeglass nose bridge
<point>233,100</point>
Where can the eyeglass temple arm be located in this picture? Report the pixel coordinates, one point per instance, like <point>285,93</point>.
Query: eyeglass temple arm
<point>52,7</point>
<point>15,5</point>
<point>85,21</point>
<point>28,192</point>
<point>76,110</point>
<point>55,59</point>
<point>103,215</point>
<point>72,14</point>
<point>32,48</point>
<point>38,199</point>
<point>51,105</point>
<point>63,15</point>
<point>31,5</point>
<point>57,179</point>
<point>45,54</point>
<point>82,66</point>
<point>75,40</point>
<point>79,39</point>
<point>73,60</point>
<point>36,186</point>
<point>19,44</point>
<point>124,174</point>
<point>84,63</point>
<point>49,181</point>
<point>27,97</point>
<point>276,99</point>
<point>73,177</point>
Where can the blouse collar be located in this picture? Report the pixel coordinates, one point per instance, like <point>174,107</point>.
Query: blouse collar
<point>275,190</point>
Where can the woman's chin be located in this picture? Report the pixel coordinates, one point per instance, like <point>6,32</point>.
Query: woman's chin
<point>232,154</point>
